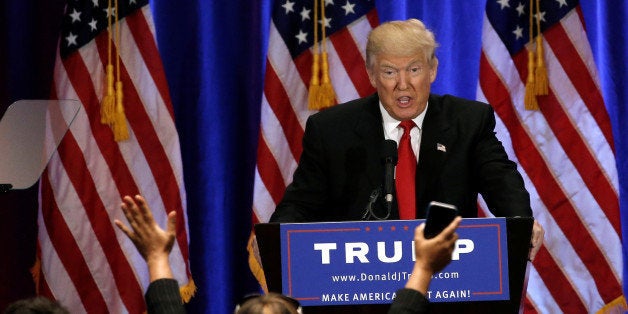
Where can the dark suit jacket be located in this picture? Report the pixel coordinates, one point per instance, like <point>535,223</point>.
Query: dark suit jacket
<point>162,297</point>
<point>460,157</point>
<point>409,301</point>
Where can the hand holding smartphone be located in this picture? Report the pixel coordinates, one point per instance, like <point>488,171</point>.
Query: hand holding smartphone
<point>439,216</point>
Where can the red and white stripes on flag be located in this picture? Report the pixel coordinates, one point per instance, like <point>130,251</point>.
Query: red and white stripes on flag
<point>86,262</point>
<point>284,108</point>
<point>566,156</point>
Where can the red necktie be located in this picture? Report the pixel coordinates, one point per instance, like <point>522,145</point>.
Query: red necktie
<point>405,174</point>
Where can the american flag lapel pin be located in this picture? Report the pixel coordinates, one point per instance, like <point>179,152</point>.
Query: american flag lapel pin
<point>441,147</point>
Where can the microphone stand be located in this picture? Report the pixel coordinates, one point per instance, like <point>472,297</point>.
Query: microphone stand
<point>369,212</point>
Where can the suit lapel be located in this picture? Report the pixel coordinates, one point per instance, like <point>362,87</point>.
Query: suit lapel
<point>436,136</point>
<point>371,133</point>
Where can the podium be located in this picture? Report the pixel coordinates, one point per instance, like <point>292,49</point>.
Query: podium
<point>518,232</point>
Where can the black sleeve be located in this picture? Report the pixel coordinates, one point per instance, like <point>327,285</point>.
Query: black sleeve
<point>501,184</point>
<point>307,193</point>
<point>162,297</point>
<point>409,301</point>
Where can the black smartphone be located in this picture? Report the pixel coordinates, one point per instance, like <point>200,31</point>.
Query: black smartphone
<point>439,216</point>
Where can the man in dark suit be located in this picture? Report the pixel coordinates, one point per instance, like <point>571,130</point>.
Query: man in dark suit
<point>453,140</point>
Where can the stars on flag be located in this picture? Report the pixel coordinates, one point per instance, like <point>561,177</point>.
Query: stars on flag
<point>302,37</point>
<point>517,12</point>
<point>85,20</point>
<point>76,16</point>
<point>299,25</point>
<point>71,38</point>
<point>348,7</point>
<point>110,11</point>
<point>326,22</point>
<point>288,6</point>
<point>520,9</point>
<point>518,32</point>
<point>305,14</point>
<point>92,24</point>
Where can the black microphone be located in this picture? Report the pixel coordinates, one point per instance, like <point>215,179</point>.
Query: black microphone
<point>389,158</point>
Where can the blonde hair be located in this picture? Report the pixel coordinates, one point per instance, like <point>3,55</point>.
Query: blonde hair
<point>271,303</point>
<point>401,38</point>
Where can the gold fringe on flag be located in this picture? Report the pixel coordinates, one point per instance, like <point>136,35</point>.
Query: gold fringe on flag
<point>118,123</point>
<point>321,92</point>
<point>529,100</point>
<point>616,306</point>
<point>108,100</point>
<point>540,72</point>
<point>188,291</point>
<point>255,262</point>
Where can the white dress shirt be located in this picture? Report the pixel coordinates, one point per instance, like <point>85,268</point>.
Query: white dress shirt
<point>393,131</point>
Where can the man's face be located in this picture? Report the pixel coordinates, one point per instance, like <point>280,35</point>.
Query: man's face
<point>403,83</point>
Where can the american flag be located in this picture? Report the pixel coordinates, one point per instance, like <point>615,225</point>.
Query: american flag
<point>86,262</point>
<point>284,108</point>
<point>564,150</point>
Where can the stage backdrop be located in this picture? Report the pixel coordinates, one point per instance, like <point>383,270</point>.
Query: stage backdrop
<point>214,55</point>
<point>217,106</point>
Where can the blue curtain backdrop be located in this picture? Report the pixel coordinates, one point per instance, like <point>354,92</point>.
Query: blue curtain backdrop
<point>214,56</point>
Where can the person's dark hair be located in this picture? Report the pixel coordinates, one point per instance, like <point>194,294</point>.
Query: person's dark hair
<point>274,303</point>
<point>37,305</point>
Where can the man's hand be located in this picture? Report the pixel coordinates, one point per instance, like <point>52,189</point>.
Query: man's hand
<point>153,243</point>
<point>432,255</point>
<point>537,239</point>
